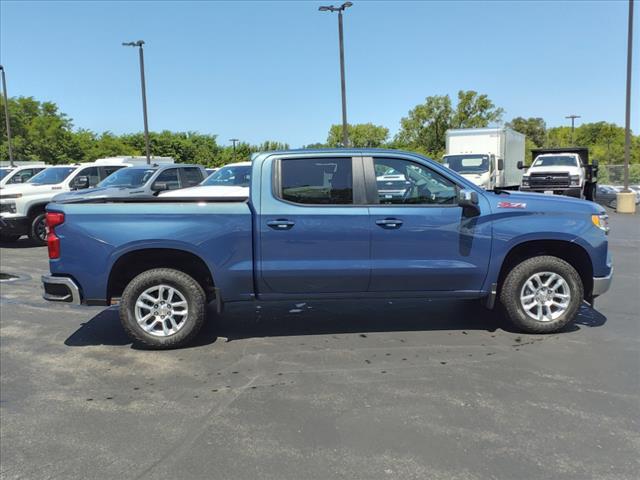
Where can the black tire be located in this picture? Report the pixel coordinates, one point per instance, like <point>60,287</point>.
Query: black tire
<point>513,287</point>
<point>9,238</point>
<point>38,229</point>
<point>186,286</point>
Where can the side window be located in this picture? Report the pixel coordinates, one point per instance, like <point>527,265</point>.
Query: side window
<point>170,177</point>
<point>106,171</point>
<point>405,182</point>
<point>317,181</point>
<point>191,176</point>
<point>22,176</point>
<point>91,173</point>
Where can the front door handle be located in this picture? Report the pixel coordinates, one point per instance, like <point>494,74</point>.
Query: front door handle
<point>389,223</point>
<point>281,224</point>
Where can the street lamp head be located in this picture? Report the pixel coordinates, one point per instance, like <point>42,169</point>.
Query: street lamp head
<point>332,8</point>
<point>1,68</point>
<point>139,43</point>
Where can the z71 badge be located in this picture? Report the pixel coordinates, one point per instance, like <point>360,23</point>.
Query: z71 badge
<point>512,205</point>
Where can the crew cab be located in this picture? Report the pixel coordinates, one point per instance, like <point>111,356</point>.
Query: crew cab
<point>22,206</point>
<point>315,226</point>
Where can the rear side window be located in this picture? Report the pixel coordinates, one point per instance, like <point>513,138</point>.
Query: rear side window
<point>191,176</point>
<point>317,181</point>
<point>106,171</point>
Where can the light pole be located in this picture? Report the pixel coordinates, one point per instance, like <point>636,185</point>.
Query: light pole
<point>234,140</point>
<point>6,115</point>
<point>139,44</point>
<point>340,9</point>
<point>627,116</point>
<point>573,119</point>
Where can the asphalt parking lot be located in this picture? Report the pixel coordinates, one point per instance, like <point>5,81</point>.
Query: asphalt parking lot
<point>358,390</point>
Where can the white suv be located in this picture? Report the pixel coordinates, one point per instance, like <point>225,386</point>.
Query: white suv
<point>22,205</point>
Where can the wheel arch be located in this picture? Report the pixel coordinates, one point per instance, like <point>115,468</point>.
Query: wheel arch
<point>133,262</point>
<point>568,251</point>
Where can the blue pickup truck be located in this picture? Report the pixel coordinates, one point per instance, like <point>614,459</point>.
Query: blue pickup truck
<point>317,226</point>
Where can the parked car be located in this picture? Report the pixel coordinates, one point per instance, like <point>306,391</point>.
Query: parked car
<point>141,181</point>
<point>20,173</point>
<point>232,180</point>
<point>22,206</point>
<point>607,195</point>
<point>211,171</point>
<point>316,227</point>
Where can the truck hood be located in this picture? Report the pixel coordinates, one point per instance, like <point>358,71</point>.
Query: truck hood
<point>208,191</point>
<point>26,189</point>
<point>540,203</point>
<point>101,192</point>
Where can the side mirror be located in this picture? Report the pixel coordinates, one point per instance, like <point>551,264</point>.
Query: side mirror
<point>520,165</point>
<point>19,179</point>
<point>81,182</point>
<point>594,162</point>
<point>160,187</point>
<point>468,198</point>
<point>500,164</point>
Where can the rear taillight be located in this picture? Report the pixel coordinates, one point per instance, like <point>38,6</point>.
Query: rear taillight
<point>53,242</point>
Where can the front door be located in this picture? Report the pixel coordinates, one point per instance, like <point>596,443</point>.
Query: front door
<point>420,239</point>
<point>314,237</point>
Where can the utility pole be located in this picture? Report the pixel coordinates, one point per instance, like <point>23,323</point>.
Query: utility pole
<point>573,119</point>
<point>340,9</point>
<point>6,115</point>
<point>627,116</point>
<point>139,44</point>
<point>234,140</point>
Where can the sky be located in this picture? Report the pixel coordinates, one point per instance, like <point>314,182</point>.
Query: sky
<point>267,70</point>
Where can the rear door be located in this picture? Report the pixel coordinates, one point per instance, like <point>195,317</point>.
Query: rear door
<point>420,239</point>
<point>313,227</point>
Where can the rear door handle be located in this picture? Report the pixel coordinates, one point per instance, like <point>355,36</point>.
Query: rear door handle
<point>389,223</point>
<point>281,224</point>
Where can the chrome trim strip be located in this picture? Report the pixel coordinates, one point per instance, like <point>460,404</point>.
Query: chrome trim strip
<point>70,284</point>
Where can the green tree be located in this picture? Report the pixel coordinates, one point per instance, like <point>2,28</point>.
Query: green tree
<point>534,128</point>
<point>475,111</point>
<point>423,129</point>
<point>361,135</point>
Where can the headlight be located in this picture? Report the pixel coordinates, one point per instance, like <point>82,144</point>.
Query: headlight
<point>9,207</point>
<point>525,180</point>
<point>575,180</point>
<point>601,221</point>
<point>15,195</point>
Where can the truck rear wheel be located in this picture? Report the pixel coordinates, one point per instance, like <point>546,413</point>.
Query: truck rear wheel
<point>542,294</point>
<point>163,308</point>
<point>38,229</point>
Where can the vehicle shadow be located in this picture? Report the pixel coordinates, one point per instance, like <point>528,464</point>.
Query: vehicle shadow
<point>18,244</point>
<point>281,319</point>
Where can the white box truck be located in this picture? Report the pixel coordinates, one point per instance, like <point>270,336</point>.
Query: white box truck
<point>487,156</point>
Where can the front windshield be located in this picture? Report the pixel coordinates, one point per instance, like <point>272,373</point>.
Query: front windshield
<point>4,172</point>
<point>128,177</point>
<point>51,176</point>
<point>556,161</point>
<point>467,163</point>
<point>234,176</point>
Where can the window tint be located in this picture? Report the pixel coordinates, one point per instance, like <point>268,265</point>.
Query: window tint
<point>106,171</point>
<point>404,182</point>
<point>317,181</point>
<point>191,176</point>
<point>92,173</point>
<point>170,177</point>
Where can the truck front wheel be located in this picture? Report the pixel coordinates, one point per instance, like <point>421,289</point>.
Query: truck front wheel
<point>542,294</point>
<point>163,308</point>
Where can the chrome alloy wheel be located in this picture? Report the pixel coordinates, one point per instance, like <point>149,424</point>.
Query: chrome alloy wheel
<point>161,310</point>
<point>545,296</point>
